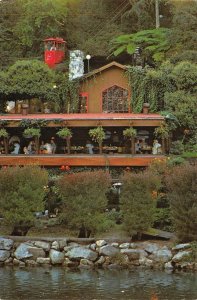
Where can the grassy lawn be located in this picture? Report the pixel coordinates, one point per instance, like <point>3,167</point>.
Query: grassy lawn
<point>189,155</point>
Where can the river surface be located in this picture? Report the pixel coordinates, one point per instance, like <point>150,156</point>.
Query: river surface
<point>57,283</point>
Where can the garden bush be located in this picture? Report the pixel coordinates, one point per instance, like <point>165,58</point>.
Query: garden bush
<point>137,201</point>
<point>21,195</point>
<point>182,192</point>
<point>84,201</point>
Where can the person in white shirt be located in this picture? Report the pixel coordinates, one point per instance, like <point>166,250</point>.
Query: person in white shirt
<point>16,148</point>
<point>156,148</point>
<point>89,147</point>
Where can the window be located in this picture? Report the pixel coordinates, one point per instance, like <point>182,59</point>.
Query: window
<point>115,99</point>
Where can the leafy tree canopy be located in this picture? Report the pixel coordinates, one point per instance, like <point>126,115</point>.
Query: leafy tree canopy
<point>151,42</point>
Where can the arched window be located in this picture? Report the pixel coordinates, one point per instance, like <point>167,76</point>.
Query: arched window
<point>115,99</point>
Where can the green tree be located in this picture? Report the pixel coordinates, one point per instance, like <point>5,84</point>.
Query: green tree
<point>21,195</point>
<point>136,202</point>
<point>153,43</point>
<point>28,79</point>
<point>182,192</point>
<point>84,200</point>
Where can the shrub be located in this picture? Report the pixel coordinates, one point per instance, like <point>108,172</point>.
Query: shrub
<point>137,202</point>
<point>21,194</point>
<point>84,200</point>
<point>182,192</point>
<point>177,147</point>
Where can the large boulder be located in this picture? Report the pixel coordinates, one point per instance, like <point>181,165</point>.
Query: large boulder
<point>163,255</point>
<point>108,250</point>
<point>56,257</point>
<point>181,247</point>
<point>181,256</point>
<point>22,251</point>
<point>4,254</point>
<point>77,253</point>
<point>44,245</point>
<point>134,254</point>
<point>150,248</point>
<point>6,244</point>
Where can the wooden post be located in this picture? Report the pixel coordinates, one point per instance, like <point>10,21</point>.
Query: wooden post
<point>68,144</point>
<point>100,148</point>
<point>5,141</point>
<point>132,145</point>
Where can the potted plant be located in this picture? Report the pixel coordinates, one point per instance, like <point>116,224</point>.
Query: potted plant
<point>131,134</point>
<point>97,135</point>
<point>65,133</point>
<point>35,133</point>
<point>162,132</point>
<point>4,135</point>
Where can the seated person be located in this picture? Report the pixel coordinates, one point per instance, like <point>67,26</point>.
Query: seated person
<point>2,148</point>
<point>89,147</point>
<point>156,148</point>
<point>138,146</point>
<point>48,148</point>
<point>53,145</point>
<point>16,148</point>
<point>25,150</point>
<point>31,148</point>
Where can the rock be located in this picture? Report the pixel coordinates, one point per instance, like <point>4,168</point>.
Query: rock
<point>100,261</point>
<point>101,243</point>
<point>36,252</point>
<point>73,244</point>
<point>150,248</point>
<point>43,260</point>
<point>133,254</point>
<point>22,251</point>
<point>116,245</point>
<point>146,262</point>
<point>4,254</point>
<point>30,263</point>
<point>55,245</point>
<point>67,248</point>
<point>6,244</point>
<point>93,247</point>
<point>108,250</point>
<point>69,263</point>
<point>56,257</point>
<point>181,256</point>
<point>124,246</point>
<point>168,266</point>
<point>78,253</point>
<point>16,262</point>
<point>63,243</point>
<point>8,261</point>
<point>44,245</point>
<point>162,255</point>
<point>133,245</point>
<point>181,246</point>
<point>86,262</point>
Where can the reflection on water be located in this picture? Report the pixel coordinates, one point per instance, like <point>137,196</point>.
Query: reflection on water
<point>61,284</point>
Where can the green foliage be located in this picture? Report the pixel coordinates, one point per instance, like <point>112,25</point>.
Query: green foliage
<point>3,133</point>
<point>182,191</point>
<point>136,202</point>
<point>22,193</point>
<point>28,79</point>
<point>177,147</point>
<point>97,134</point>
<point>83,200</point>
<point>152,42</point>
<point>130,132</point>
<point>32,132</point>
<point>64,133</point>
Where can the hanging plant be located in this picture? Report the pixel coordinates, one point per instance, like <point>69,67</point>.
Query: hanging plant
<point>3,133</point>
<point>131,134</point>
<point>31,132</point>
<point>64,133</point>
<point>97,135</point>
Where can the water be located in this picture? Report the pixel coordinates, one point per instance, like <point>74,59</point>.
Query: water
<point>61,284</point>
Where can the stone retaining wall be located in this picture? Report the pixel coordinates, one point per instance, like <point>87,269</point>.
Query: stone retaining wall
<point>97,254</point>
